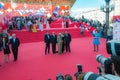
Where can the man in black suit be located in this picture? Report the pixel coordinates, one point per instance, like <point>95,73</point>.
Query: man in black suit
<point>15,44</point>
<point>53,41</point>
<point>47,42</point>
<point>67,41</point>
<point>67,24</point>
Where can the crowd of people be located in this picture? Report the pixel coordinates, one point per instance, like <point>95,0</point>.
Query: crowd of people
<point>88,23</point>
<point>80,75</point>
<point>102,75</point>
<point>63,40</point>
<point>34,22</point>
<point>5,41</point>
<point>28,22</point>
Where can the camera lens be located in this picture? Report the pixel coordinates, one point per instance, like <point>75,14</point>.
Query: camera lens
<point>92,76</point>
<point>101,59</point>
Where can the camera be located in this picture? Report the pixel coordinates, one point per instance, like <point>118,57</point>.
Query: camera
<point>79,70</point>
<point>113,47</point>
<point>106,63</point>
<point>93,76</point>
<point>79,67</point>
<point>59,77</point>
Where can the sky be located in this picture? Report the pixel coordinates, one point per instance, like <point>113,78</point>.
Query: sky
<point>88,3</point>
<point>85,5</point>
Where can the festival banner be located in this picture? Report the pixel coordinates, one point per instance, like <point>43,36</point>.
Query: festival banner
<point>116,31</point>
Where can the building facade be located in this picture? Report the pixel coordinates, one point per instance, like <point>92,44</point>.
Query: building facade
<point>97,14</point>
<point>116,12</point>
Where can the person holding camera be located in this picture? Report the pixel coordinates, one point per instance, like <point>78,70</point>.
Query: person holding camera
<point>115,66</point>
<point>59,77</point>
<point>68,77</point>
<point>113,73</point>
<point>79,67</point>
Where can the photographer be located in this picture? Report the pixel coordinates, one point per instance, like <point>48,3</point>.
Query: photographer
<point>115,66</point>
<point>79,67</point>
<point>105,65</point>
<point>68,77</point>
<point>59,77</point>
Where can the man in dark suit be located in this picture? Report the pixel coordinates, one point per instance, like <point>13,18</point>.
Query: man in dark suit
<point>53,41</point>
<point>47,42</point>
<point>15,44</point>
<point>67,41</point>
<point>67,24</point>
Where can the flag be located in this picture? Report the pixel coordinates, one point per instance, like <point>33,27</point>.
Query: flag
<point>1,6</point>
<point>56,11</point>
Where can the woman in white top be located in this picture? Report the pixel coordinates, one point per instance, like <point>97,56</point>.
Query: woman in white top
<point>75,24</point>
<point>63,24</point>
<point>45,20</point>
<point>40,25</point>
<point>47,25</point>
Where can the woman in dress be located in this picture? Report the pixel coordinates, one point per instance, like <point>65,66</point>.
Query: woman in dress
<point>45,21</point>
<point>6,47</point>
<point>96,40</point>
<point>59,40</point>
<point>63,24</point>
<point>75,24</point>
<point>40,25</point>
<point>34,27</point>
<point>47,25</point>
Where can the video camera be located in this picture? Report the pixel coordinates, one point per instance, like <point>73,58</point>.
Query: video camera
<point>106,64</point>
<point>79,70</point>
<point>93,76</point>
<point>113,47</point>
<point>106,67</point>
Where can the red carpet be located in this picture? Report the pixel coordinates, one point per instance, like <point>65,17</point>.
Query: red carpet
<point>34,65</point>
<point>28,37</point>
<point>57,23</point>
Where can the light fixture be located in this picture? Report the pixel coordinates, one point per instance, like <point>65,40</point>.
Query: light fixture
<point>107,9</point>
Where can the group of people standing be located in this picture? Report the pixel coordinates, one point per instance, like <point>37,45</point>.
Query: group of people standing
<point>63,40</point>
<point>31,23</point>
<point>6,40</point>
